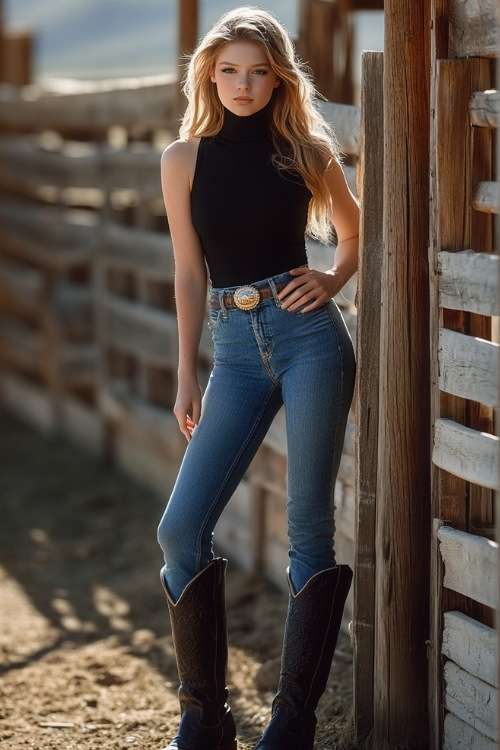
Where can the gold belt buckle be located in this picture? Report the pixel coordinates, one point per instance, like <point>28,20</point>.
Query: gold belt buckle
<point>246,297</point>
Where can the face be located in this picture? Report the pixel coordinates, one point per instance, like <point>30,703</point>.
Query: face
<point>244,78</point>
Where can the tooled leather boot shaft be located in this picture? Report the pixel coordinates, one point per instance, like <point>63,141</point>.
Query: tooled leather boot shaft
<point>311,631</point>
<point>199,632</point>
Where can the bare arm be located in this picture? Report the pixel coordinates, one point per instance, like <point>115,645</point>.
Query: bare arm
<point>316,287</point>
<point>177,167</point>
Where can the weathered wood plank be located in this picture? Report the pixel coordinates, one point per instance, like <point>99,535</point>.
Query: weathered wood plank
<point>403,520</point>
<point>235,532</point>
<point>441,160</point>
<point>468,366</point>
<point>145,332</point>
<point>150,102</point>
<point>21,344</point>
<point>367,391</point>
<point>469,281</point>
<point>486,197</point>
<point>466,453</point>
<point>47,236</point>
<point>461,736</point>
<point>470,565</point>
<point>28,400</point>
<point>484,109</point>
<point>72,304</point>
<point>345,119</point>
<point>136,168</point>
<point>473,28</point>
<point>21,287</point>
<point>470,699</point>
<point>268,470</point>
<point>27,165</point>
<point>471,645</point>
<point>138,249</point>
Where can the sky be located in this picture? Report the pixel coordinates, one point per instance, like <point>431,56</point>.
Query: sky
<point>101,38</point>
<point>109,38</point>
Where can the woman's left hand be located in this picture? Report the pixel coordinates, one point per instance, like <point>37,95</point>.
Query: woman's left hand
<point>310,288</point>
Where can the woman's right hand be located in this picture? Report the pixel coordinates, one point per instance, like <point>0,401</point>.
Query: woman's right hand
<point>187,407</point>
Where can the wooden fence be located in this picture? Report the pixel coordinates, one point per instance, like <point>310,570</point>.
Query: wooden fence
<point>460,317</point>
<point>88,335</point>
<point>464,376</point>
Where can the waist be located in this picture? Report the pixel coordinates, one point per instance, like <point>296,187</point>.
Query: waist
<point>248,296</point>
<point>245,297</point>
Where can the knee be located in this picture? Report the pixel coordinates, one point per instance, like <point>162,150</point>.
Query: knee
<point>170,537</point>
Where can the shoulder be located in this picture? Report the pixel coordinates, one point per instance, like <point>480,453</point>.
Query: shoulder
<point>179,158</point>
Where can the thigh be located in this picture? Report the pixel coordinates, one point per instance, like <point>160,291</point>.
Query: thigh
<point>317,393</point>
<point>236,414</point>
<point>237,411</point>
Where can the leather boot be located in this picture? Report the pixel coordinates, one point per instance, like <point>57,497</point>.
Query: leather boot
<point>199,632</point>
<point>311,631</point>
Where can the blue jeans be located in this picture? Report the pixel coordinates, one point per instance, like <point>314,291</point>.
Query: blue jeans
<point>265,358</point>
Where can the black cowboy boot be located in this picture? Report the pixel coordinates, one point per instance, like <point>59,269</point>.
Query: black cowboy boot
<point>199,632</point>
<point>311,631</point>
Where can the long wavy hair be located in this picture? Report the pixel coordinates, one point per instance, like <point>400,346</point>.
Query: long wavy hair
<point>302,139</point>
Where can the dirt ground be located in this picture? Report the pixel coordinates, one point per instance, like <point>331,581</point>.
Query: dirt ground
<point>86,658</point>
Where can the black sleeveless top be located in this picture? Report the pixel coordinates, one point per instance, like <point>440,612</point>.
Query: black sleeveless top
<point>250,216</point>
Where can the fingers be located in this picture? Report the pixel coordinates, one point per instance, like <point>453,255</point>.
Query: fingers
<point>187,408</point>
<point>186,425</point>
<point>186,421</point>
<point>307,291</point>
<point>190,425</point>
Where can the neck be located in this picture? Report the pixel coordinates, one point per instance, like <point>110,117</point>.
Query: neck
<point>246,126</point>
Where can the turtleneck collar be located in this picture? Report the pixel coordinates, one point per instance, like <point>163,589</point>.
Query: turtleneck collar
<point>245,127</point>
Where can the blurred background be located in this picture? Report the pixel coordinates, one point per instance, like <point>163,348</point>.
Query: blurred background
<point>109,38</point>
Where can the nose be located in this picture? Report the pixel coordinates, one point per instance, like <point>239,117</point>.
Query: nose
<point>243,82</point>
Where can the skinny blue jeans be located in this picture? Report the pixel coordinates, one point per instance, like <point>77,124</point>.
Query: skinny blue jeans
<point>265,358</point>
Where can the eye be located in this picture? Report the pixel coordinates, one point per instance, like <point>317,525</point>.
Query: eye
<point>261,72</point>
<point>228,70</point>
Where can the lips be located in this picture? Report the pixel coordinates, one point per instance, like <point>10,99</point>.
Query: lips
<point>243,99</point>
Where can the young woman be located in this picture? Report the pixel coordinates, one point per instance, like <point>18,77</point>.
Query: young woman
<point>256,167</point>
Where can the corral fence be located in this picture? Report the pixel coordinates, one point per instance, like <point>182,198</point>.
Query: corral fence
<point>451,321</point>
<point>88,336</point>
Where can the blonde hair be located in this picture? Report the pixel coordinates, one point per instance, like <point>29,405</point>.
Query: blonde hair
<point>302,139</point>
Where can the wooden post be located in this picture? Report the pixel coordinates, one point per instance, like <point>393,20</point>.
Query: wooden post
<point>440,11</point>
<point>2,45</point>
<point>187,37</point>
<point>403,483</point>
<point>188,26</point>
<point>367,342</point>
<point>497,494</point>
<point>17,58</point>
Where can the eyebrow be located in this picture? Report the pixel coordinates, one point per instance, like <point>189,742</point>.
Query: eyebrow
<point>255,65</point>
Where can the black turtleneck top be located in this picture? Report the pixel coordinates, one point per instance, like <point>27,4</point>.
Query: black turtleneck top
<point>250,216</point>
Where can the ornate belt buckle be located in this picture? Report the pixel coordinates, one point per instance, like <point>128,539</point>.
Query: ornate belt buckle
<point>246,297</point>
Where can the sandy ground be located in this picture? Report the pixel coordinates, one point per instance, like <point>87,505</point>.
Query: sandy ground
<point>86,658</point>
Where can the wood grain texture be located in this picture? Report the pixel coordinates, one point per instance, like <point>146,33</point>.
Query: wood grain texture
<point>466,453</point>
<point>468,281</point>
<point>471,645</point>
<point>468,366</point>
<point>403,480</point>
<point>470,564</point>
<point>368,333</point>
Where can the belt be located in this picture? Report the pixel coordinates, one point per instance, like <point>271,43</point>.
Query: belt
<point>246,297</point>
